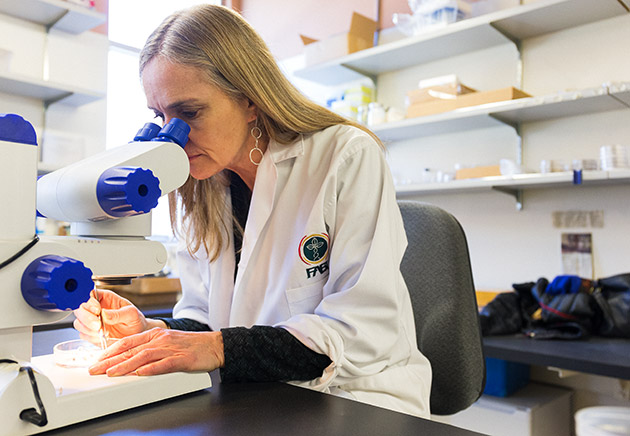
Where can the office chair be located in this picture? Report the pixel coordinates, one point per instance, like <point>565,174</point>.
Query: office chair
<point>436,268</point>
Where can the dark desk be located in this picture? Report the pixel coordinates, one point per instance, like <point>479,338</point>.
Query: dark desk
<point>249,409</point>
<point>595,355</point>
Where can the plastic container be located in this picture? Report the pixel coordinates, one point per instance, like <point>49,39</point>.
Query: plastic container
<point>602,421</point>
<point>76,354</point>
<point>375,114</point>
<point>613,157</point>
<point>503,378</point>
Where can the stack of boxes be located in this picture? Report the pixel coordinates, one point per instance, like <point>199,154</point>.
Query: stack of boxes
<point>446,93</point>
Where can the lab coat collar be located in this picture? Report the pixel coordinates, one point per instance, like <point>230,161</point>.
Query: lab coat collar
<point>263,199</point>
<point>280,152</point>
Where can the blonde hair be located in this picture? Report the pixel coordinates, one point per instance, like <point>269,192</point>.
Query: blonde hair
<point>234,57</point>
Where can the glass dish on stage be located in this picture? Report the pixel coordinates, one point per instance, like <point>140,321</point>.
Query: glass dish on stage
<point>76,353</point>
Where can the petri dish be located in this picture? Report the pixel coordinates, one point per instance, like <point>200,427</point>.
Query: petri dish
<point>76,353</point>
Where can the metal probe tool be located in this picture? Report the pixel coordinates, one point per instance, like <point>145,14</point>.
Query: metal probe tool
<point>101,330</point>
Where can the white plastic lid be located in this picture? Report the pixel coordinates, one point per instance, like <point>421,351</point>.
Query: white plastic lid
<point>602,421</point>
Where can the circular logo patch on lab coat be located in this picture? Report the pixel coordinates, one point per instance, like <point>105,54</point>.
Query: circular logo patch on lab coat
<point>314,248</point>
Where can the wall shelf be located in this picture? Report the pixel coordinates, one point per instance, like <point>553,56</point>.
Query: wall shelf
<point>485,31</point>
<point>47,91</point>
<point>516,184</point>
<point>54,14</point>
<point>511,112</point>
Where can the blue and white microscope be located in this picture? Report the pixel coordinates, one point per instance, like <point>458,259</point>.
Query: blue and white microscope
<point>107,198</point>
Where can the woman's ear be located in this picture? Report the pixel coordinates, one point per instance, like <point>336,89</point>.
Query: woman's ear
<point>252,111</point>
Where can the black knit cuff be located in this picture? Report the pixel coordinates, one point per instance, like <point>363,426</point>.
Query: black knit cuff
<point>185,324</point>
<point>264,353</point>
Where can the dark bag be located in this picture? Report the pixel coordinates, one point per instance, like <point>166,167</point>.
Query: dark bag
<point>612,295</point>
<point>569,307</point>
<point>508,312</point>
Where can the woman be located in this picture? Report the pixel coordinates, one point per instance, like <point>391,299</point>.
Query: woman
<point>291,235</point>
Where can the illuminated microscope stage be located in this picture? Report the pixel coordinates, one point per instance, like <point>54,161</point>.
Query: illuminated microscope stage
<point>80,396</point>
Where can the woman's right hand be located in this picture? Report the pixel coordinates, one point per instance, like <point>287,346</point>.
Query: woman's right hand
<point>120,317</point>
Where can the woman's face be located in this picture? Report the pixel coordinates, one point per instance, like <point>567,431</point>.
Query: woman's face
<point>219,133</point>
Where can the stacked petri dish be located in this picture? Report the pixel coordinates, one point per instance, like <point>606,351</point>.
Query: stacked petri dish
<point>613,157</point>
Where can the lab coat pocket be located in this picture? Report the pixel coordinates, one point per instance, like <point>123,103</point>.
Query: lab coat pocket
<point>305,299</point>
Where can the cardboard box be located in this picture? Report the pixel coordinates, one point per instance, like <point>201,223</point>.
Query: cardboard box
<point>149,285</point>
<point>359,37</point>
<point>438,88</point>
<point>477,172</point>
<point>465,100</point>
<point>446,92</point>
<point>150,291</point>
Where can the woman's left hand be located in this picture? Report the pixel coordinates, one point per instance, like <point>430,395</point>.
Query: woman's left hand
<point>160,351</point>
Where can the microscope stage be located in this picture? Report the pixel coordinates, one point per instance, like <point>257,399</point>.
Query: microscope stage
<point>81,396</point>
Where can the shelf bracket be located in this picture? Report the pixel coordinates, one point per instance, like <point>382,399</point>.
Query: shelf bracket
<point>519,48</point>
<point>365,74</point>
<point>51,101</point>
<point>55,21</point>
<point>516,193</point>
<point>519,137</point>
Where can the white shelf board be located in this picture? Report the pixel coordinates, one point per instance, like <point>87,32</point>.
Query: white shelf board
<point>463,119</point>
<point>47,91</point>
<point>57,14</point>
<point>462,37</point>
<point>511,112</point>
<point>465,36</point>
<point>619,174</point>
<point>517,182</point>
<point>546,16</point>
<point>560,105</point>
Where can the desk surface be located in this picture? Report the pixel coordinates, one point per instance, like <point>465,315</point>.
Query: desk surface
<point>596,355</point>
<point>249,409</point>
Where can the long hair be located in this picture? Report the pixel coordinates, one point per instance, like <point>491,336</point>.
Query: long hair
<point>234,58</point>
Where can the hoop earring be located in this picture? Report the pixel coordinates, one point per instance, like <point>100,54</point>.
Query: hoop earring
<point>256,134</point>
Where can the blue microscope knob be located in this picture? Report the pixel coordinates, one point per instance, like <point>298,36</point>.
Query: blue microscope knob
<point>127,191</point>
<point>176,131</point>
<point>14,128</point>
<point>147,132</point>
<point>55,283</point>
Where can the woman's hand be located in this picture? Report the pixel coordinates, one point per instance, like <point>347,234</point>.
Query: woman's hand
<point>160,351</point>
<point>120,317</point>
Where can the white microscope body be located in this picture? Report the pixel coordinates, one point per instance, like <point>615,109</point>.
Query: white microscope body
<point>107,199</point>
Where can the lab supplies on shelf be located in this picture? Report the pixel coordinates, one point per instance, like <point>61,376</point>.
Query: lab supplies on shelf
<point>446,87</point>
<point>464,100</point>
<point>429,14</point>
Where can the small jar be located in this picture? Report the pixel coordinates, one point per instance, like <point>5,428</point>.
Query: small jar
<point>376,114</point>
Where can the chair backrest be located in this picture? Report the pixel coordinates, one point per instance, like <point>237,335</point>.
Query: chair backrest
<point>436,268</point>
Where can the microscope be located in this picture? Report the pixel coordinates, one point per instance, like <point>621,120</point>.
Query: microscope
<point>107,199</point>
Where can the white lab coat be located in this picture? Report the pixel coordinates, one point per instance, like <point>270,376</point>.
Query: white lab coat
<point>320,257</point>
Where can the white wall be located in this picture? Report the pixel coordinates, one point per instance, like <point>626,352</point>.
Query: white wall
<point>77,60</point>
<point>509,246</point>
